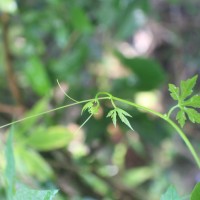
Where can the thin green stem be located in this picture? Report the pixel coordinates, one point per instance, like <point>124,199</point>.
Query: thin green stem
<point>186,140</point>
<point>138,106</point>
<point>175,126</point>
<point>103,93</point>
<point>171,110</point>
<point>112,98</point>
<point>66,93</point>
<point>107,94</point>
<point>84,123</point>
<point>113,103</point>
<point>49,111</point>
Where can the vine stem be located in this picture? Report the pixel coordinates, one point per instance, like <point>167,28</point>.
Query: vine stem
<point>112,98</point>
<point>171,110</point>
<point>166,118</point>
<point>49,111</point>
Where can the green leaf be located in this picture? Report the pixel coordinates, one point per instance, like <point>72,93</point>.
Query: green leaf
<point>170,194</point>
<point>137,176</point>
<point>87,106</point>
<point>37,76</point>
<point>99,185</point>
<point>30,162</point>
<point>122,114</point>
<point>193,115</point>
<point>148,72</point>
<point>186,89</point>
<point>120,111</point>
<point>10,166</point>
<point>23,127</point>
<point>48,139</point>
<point>181,117</point>
<point>193,102</point>
<point>196,192</point>
<point>79,20</point>
<point>92,107</point>
<point>94,110</point>
<point>187,86</point>
<point>113,115</point>
<point>174,91</point>
<point>23,193</point>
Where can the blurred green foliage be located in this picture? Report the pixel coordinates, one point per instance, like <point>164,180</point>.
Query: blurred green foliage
<point>76,42</point>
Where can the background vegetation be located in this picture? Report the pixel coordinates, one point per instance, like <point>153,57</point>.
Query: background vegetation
<point>131,48</point>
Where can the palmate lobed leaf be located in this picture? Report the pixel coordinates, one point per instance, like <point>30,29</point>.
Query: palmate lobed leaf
<point>92,107</point>
<point>122,115</point>
<point>174,91</point>
<point>181,117</point>
<point>194,101</point>
<point>94,110</point>
<point>113,115</point>
<point>87,106</point>
<point>193,115</point>
<point>187,86</point>
<point>123,112</point>
<point>181,95</point>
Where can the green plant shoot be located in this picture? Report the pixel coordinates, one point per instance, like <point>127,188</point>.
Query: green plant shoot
<point>186,105</point>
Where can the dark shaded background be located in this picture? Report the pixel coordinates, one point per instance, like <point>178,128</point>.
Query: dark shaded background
<point>131,48</point>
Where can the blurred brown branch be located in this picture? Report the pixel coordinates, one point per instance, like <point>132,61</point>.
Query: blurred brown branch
<point>12,80</point>
<point>14,111</point>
